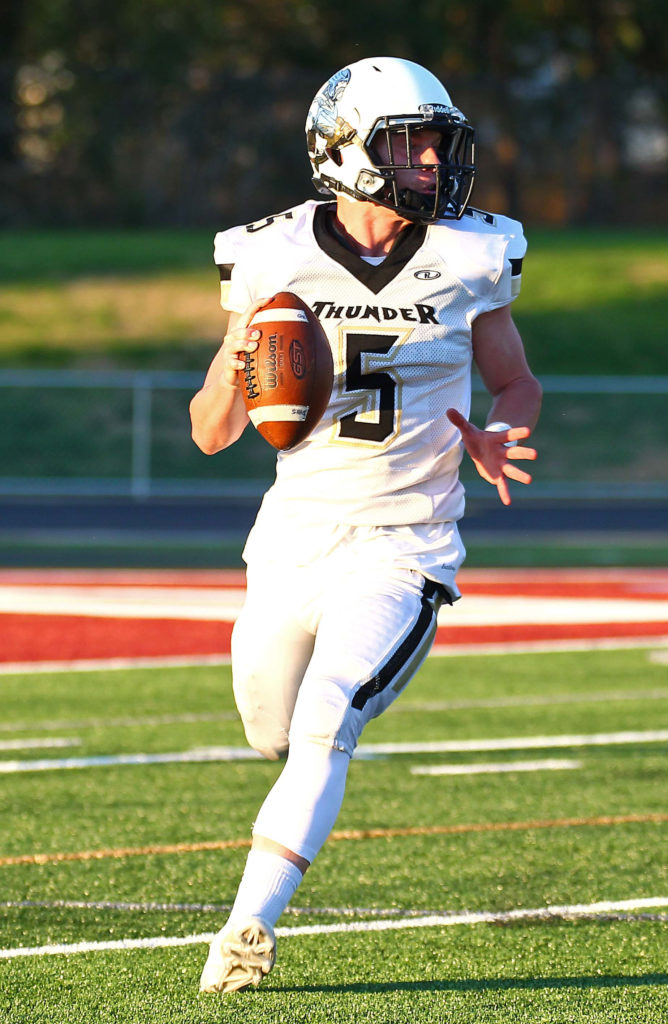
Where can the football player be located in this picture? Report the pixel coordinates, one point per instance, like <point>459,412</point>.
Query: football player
<point>356,547</point>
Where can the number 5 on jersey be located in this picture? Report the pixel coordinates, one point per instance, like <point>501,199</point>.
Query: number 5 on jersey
<point>376,407</point>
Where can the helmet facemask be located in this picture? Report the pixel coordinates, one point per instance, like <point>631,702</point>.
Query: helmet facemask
<point>438,190</point>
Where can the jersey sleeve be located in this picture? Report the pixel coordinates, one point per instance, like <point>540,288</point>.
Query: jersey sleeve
<point>506,286</point>
<point>234,292</point>
<point>485,252</point>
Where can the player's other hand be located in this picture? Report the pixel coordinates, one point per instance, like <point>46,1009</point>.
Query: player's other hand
<point>239,339</point>
<point>490,455</point>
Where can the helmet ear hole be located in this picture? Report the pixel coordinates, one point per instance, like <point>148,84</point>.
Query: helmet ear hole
<point>335,156</point>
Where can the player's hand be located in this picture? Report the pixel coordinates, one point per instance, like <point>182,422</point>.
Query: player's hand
<point>490,455</point>
<point>238,340</point>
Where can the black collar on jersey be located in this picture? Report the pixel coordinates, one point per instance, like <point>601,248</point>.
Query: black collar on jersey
<point>403,249</point>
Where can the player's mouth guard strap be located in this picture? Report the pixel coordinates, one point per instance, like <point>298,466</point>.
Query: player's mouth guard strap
<point>433,595</point>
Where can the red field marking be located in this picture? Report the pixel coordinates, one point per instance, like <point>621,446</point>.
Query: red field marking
<point>38,637</point>
<point>34,638</point>
<point>346,835</point>
<point>629,584</point>
<point>532,632</point>
<point>582,589</point>
<point>123,578</point>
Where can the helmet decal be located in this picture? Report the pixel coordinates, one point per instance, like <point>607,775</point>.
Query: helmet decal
<point>337,83</point>
<point>323,117</point>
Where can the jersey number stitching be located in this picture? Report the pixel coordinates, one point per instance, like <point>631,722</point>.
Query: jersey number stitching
<point>352,426</point>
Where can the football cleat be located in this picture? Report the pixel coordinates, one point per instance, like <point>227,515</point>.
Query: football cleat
<point>239,956</point>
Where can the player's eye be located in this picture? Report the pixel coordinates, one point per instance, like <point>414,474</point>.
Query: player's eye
<point>428,142</point>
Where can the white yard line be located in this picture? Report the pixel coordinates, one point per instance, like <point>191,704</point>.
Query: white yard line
<point>113,664</point>
<point>113,760</point>
<point>213,604</point>
<point>526,700</point>
<point>125,722</point>
<point>619,643</point>
<point>438,650</point>
<point>222,604</point>
<point>477,610</point>
<point>36,744</point>
<point>495,768</point>
<point>364,751</point>
<point>653,578</point>
<point>601,739</point>
<point>215,908</point>
<point>549,913</point>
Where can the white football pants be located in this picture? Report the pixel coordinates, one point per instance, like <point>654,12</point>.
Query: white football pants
<point>318,650</point>
<point>321,648</point>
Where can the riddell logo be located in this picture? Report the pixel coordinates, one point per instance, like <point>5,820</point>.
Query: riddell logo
<point>427,275</point>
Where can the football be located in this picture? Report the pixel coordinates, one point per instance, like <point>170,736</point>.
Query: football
<point>287,381</point>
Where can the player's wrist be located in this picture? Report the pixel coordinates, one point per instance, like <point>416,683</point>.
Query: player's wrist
<point>498,427</point>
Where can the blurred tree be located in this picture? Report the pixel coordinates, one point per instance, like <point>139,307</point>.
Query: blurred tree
<point>10,31</point>
<point>185,111</point>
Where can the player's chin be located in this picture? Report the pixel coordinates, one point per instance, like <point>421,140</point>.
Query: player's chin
<point>427,198</point>
<point>425,188</point>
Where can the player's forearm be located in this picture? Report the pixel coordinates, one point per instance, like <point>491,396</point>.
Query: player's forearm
<point>518,403</point>
<point>218,418</point>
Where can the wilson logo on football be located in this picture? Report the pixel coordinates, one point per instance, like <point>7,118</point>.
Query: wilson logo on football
<point>297,358</point>
<point>427,275</point>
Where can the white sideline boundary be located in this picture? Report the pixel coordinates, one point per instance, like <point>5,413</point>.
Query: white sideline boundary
<point>595,739</point>
<point>497,767</point>
<point>659,643</point>
<point>126,722</point>
<point>365,751</point>
<point>568,912</point>
<point>620,643</point>
<point>525,700</point>
<point>19,668</point>
<point>31,743</point>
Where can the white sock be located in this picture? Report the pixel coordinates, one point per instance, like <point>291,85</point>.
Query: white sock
<point>267,886</point>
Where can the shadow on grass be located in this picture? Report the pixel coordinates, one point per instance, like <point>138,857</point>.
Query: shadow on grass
<point>485,984</point>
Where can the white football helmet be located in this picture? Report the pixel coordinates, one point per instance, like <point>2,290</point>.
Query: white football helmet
<point>383,102</point>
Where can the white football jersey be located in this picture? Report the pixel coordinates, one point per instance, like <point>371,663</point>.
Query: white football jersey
<point>384,452</point>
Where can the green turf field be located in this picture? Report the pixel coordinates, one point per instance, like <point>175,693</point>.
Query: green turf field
<point>597,969</point>
<point>593,301</point>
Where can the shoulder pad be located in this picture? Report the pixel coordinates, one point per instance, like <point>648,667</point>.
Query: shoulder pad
<point>230,245</point>
<point>483,250</point>
<point>227,246</point>
<point>506,228</point>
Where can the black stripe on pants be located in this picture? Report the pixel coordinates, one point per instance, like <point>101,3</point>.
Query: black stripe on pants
<point>432,597</point>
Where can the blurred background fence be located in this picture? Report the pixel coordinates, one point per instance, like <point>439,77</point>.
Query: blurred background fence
<point>126,433</point>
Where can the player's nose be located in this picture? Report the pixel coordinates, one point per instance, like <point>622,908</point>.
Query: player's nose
<point>427,154</point>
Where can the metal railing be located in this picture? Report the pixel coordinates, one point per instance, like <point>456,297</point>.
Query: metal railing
<point>127,433</point>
